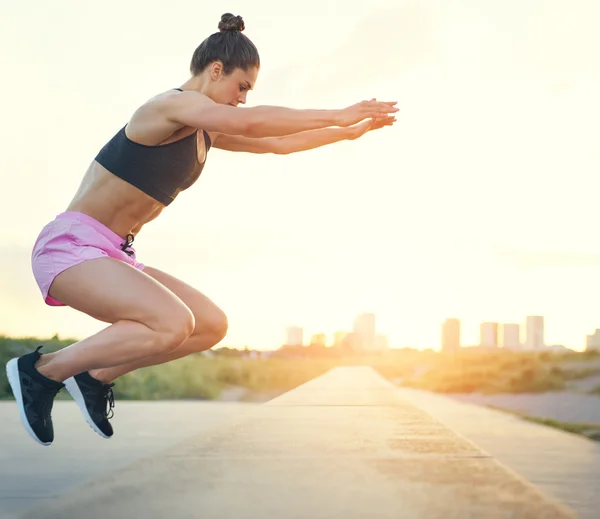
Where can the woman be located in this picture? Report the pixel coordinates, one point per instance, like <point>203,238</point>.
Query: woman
<point>84,259</point>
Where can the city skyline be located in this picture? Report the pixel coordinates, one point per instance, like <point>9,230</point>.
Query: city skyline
<point>364,335</point>
<point>526,335</point>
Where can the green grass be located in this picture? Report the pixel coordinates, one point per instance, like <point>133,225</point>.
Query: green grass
<point>193,377</point>
<point>490,372</point>
<point>15,347</point>
<point>199,377</point>
<point>501,371</point>
<point>577,374</point>
<point>589,430</point>
<point>204,377</point>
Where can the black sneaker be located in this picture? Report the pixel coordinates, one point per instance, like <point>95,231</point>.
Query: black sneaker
<point>34,394</point>
<point>96,401</point>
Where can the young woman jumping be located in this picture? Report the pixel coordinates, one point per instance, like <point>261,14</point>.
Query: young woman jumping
<point>85,258</point>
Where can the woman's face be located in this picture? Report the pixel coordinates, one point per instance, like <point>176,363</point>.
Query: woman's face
<point>231,89</point>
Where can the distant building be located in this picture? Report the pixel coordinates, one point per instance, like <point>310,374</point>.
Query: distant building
<point>339,338</point>
<point>534,331</point>
<point>488,335</point>
<point>381,342</point>
<point>345,341</point>
<point>318,339</point>
<point>510,336</point>
<point>592,342</point>
<point>451,335</point>
<point>364,331</point>
<point>294,336</point>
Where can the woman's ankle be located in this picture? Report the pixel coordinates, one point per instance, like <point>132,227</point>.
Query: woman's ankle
<point>44,366</point>
<point>101,375</point>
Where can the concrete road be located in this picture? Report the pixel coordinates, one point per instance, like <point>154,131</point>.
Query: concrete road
<point>561,464</point>
<point>345,445</point>
<point>30,473</point>
<point>352,418</point>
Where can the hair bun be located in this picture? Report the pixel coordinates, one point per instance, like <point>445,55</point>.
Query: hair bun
<point>229,22</point>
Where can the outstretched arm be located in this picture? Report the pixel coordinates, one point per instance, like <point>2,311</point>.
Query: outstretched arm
<point>301,141</point>
<point>198,111</point>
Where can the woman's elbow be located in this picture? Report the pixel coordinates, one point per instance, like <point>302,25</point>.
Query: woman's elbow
<point>278,146</point>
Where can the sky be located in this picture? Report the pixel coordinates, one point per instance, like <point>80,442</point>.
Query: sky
<point>480,203</point>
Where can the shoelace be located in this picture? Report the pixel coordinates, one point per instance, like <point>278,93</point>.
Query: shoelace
<point>110,400</point>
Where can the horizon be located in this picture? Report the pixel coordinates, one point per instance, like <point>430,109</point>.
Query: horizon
<point>330,340</point>
<point>478,203</point>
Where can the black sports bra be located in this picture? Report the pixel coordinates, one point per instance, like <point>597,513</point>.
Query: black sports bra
<point>159,171</point>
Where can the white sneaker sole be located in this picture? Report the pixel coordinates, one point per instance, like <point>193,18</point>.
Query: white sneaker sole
<point>12,372</point>
<point>75,392</point>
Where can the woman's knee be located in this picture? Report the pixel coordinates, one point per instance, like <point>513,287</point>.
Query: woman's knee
<point>219,326</point>
<point>210,319</point>
<point>174,328</point>
<point>214,324</point>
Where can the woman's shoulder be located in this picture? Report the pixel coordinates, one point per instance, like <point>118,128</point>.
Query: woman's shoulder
<point>150,123</point>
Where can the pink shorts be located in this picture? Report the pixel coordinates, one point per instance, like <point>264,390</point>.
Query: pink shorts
<point>70,239</point>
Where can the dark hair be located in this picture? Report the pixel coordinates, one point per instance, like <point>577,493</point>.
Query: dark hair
<point>229,46</point>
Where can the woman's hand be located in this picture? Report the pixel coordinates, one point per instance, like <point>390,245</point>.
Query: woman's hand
<point>365,110</point>
<point>371,124</point>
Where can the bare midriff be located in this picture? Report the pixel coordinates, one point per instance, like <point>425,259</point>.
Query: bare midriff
<point>118,205</point>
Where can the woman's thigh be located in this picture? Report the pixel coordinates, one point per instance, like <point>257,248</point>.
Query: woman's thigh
<point>208,316</point>
<point>111,290</point>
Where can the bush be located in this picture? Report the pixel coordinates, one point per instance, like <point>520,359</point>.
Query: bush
<point>11,347</point>
<point>200,377</point>
<point>205,377</point>
<point>193,377</point>
<point>492,371</point>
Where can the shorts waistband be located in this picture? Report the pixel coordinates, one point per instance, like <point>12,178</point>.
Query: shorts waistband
<point>114,238</point>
